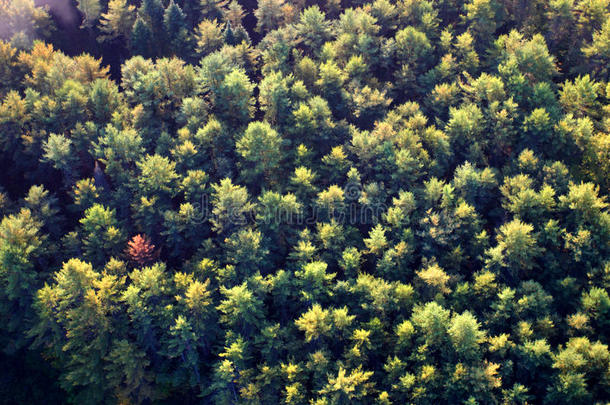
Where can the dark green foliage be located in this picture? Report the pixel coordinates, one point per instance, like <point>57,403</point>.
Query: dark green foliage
<point>142,42</point>
<point>295,202</point>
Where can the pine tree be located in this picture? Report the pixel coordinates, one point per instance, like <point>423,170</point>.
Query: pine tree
<point>260,147</point>
<point>228,36</point>
<point>152,11</point>
<point>176,30</point>
<point>142,39</point>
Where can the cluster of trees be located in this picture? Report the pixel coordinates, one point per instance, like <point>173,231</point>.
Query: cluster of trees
<point>379,202</point>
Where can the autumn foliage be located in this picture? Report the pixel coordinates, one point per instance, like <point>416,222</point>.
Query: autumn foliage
<point>141,251</point>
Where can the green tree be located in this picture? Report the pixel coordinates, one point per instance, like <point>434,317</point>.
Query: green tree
<point>260,146</point>
<point>466,336</point>
<point>597,51</point>
<point>240,309</point>
<point>230,205</point>
<point>75,312</point>
<point>157,176</point>
<point>233,100</point>
<point>583,370</point>
<point>101,235</point>
<point>313,27</point>
<point>315,323</point>
<point>128,371</point>
<point>57,151</point>
<point>142,39</point>
<point>313,281</point>
<point>22,250</point>
<point>176,30</point>
<point>516,250</point>
<point>352,388</point>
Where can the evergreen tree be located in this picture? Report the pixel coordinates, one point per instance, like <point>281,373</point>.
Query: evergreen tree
<point>176,30</point>
<point>142,39</point>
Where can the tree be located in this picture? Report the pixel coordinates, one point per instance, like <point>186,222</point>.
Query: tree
<point>57,150</point>
<point>43,206</point>
<point>23,22</point>
<point>208,37</point>
<point>269,15</point>
<point>152,12</point>
<point>580,97</point>
<point>277,97</point>
<point>234,14</point>
<point>525,203</point>
<point>352,388</point>
<point>119,150</point>
<point>176,30</point>
<point>212,9</point>
<point>128,370</point>
<point>332,201</point>
<point>466,336</point>
<point>313,27</point>
<point>305,202</point>
<point>435,279</point>
<point>11,70</point>
<point>240,308</point>
<point>330,83</point>
<point>117,22</point>
<point>598,51</point>
<point>141,251</point>
<point>246,252</point>
<point>530,58</point>
<point>233,99</point>
<point>157,176</point>
<point>481,16</point>
<point>465,130</point>
<point>101,235</point>
<point>476,187</point>
<point>377,241</point>
<point>315,323</point>
<point>313,281</point>
<point>313,117</point>
<point>596,160</point>
<point>230,206</point>
<point>21,250</point>
<point>411,46</point>
<point>85,193</point>
<point>596,305</point>
<point>183,345</point>
<point>142,39</point>
<point>104,100</point>
<point>516,250</point>
<point>260,145</point>
<point>91,10</point>
<point>584,202</point>
<point>75,326</point>
<point>432,323</point>
<point>146,303</point>
<point>583,366</point>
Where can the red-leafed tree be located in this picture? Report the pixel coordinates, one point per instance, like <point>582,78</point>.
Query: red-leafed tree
<point>141,250</point>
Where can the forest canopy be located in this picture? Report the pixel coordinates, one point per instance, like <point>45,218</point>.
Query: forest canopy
<point>316,202</point>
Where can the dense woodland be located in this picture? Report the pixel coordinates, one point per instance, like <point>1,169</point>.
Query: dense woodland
<point>305,202</point>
